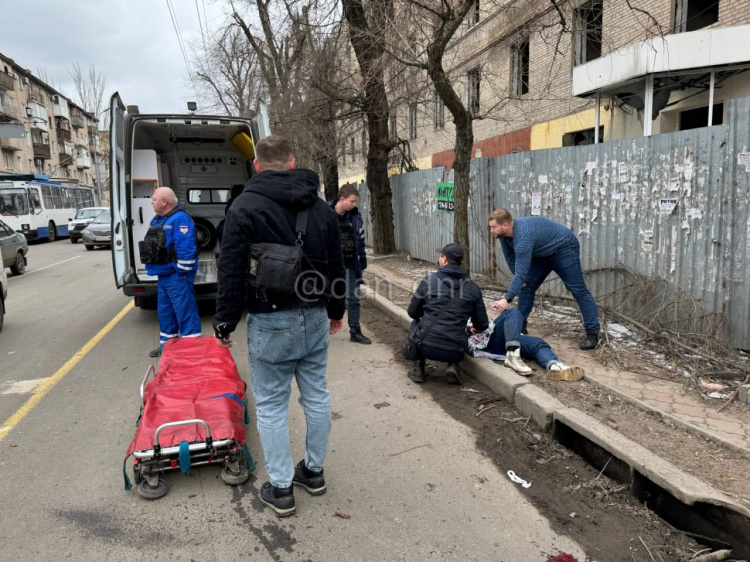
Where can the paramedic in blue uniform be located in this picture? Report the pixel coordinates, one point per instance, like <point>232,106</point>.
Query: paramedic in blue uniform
<point>178,311</point>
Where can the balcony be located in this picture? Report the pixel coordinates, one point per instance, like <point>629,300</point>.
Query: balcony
<point>8,111</point>
<point>83,161</point>
<point>65,149</point>
<point>11,144</point>
<point>42,150</point>
<point>36,95</point>
<point>77,121</point>
<point>7,82</point>
<point>63,134</point>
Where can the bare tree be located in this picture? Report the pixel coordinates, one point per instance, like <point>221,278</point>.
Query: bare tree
<point>228,73</point>
<point>367,27</point>
<point>90,88</point>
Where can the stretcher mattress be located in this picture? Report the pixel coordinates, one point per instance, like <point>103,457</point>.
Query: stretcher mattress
<point>196,379</point>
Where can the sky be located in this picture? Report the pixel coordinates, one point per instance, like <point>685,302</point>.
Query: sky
<point>132,42</point>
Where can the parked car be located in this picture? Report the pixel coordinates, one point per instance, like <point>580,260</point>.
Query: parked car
<point>99,232</point>
<point>3,294</point>
<point>82,219</point>
<point>13,247</point>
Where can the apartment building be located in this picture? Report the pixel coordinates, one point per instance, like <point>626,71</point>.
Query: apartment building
<point>599,70</point>
<point>44,132</point>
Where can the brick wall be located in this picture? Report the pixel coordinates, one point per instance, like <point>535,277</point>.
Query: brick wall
<point>495,146</point>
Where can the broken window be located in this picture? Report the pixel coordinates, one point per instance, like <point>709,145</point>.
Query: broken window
<point>439,112</point>
<point>581,138</point>
<point>474,77</point>
<point>698,117</point>
<point>588,35</point>
<point>519,71</point>
<point>690,15</point>
<point>413,121</point>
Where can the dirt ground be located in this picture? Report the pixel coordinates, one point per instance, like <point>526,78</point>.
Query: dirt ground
<point>594,510</point>
<point>723,468</point>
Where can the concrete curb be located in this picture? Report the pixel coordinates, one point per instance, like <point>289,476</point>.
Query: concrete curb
<point>648,475</point>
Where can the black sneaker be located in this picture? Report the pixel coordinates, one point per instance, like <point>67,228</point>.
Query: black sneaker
<point>311,481</point>
<point>281,500</point>
<point>416,371</point>
<point>359,337</point>
<point>590,341</point>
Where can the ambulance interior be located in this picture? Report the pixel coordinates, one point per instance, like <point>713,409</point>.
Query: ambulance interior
<point>200,161</point>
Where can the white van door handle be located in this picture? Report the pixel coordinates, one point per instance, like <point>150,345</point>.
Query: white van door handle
<point>140,213</point>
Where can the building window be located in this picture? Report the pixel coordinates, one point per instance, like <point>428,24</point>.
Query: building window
<point>364,143</point>
<point>19,162</point>
<point>439,111</point>
<point>472,17</point>
<point>394,125</point>
<point>581,138</point>
<point>39,165</point>
<point>696,118</point>
<point>413,121</point>
<point>8,161</point>
<point>474,78</point>
<point>690,15</point>
<point>353,144</point>
<point>588,34</point>
<point>519,69</point>
<point>343,155</point>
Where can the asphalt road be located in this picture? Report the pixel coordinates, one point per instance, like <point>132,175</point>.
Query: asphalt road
<point>406,481</point>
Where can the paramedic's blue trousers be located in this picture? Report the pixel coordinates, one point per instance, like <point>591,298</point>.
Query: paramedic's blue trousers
<point>178,311</point>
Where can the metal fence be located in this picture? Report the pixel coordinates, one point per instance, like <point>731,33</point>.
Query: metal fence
<point>671,206</point>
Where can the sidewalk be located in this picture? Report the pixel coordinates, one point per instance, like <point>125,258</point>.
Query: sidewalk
<point>663,396</point>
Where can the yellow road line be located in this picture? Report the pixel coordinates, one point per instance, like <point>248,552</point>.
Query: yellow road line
<point>50,382</point>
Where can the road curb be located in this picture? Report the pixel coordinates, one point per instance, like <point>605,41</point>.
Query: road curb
<point>678,497</point>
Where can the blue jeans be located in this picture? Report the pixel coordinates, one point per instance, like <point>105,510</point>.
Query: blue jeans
<point>281,346</point>
<point>566,262</point>
<point>352,300</point>
<point>507,332</point>
<point>176,306</point>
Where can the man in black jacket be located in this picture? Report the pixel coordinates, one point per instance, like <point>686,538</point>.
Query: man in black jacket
<point>442,326</point>
<point>288,333</point>
<point>352,231</point>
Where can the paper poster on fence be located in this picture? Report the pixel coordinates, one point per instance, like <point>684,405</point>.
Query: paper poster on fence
<point>445,197</point>
<point>666,206</point>
<point>536,203</point>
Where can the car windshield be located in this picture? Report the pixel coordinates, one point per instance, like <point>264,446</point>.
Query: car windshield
<point>104,218</point>
<point>88,213</point>
<point>13,202</point>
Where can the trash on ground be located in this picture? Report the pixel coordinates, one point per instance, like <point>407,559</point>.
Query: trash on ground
<point>468,389</point>
<point>517,480</point>
<point>719,395</point>
<point>712,385</point>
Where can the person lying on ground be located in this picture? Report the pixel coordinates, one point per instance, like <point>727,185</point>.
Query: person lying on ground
<point>441,307</point>
<point>504,339</point>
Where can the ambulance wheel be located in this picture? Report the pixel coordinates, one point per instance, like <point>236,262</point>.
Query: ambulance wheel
<point>146,303</point>
<point>231,478</point>
<point>89,247</point>
<point>145,490</point>
<point>205,234</point>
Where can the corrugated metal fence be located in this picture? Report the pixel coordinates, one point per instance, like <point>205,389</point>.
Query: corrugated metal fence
<point>672,206</point>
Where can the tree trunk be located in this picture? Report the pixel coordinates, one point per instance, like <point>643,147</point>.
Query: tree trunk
<point>329,168</point>
<point>366,38</point>
<point>461,175</point>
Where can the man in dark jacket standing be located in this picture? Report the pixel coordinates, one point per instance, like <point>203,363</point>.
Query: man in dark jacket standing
<point>442,326</point>
<point>352,232</point>
<point>287,333</point>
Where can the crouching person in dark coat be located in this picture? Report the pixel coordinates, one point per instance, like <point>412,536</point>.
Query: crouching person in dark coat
<point>441,307</point>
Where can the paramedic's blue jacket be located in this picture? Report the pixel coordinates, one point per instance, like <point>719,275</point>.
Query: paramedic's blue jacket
<point>180,234</point>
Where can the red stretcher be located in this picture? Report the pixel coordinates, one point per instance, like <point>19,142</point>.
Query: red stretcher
<point>194,413</point>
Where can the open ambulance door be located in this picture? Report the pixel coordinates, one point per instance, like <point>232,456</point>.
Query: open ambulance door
<point>121,251</point>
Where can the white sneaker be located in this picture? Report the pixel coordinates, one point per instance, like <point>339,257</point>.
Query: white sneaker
<point>559,371</point>
<point>513,361</point>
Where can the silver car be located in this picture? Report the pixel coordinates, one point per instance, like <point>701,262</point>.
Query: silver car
<point>82,219</point>
<point>98,232</point>
<point>13,247</point>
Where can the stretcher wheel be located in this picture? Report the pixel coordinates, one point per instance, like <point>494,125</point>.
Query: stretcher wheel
<point>145,490</point>
<point>232,478</point>
<point>137,475</point>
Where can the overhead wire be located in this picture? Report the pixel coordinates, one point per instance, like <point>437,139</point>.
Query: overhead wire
<point>173,15</point>
<point>200,23</point>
